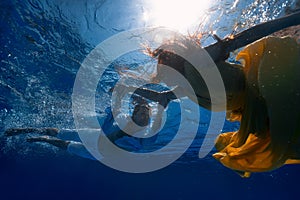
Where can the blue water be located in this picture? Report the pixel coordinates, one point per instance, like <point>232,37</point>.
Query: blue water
<point>42,46</point>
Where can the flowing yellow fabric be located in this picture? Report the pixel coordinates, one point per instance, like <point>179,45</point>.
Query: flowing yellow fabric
<point>272,67</point>
<point>253,156</point>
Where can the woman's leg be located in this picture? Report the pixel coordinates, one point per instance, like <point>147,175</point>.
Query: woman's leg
<point>76,148</point>
<point>54,141</point>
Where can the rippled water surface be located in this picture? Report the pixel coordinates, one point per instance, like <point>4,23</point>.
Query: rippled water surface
<point>43,44</point>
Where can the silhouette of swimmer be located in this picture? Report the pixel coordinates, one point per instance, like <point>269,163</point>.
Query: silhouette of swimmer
<point>140,116</point>
<point>263,93</point>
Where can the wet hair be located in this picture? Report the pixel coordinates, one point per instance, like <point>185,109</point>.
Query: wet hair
<point>146,110</point>
<point>166,56</point>
<point>138,107</point>
<point>140,103</point>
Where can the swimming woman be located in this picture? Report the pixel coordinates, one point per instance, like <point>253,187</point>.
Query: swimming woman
<point>262,92</point>
<point>140,119</point>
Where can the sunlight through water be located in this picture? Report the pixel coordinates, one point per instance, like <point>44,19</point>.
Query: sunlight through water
<point>176,14</point>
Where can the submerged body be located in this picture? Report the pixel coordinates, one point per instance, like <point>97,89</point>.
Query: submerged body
<point>69,139</point>
<point>270,116</point>
<point>263,94</point>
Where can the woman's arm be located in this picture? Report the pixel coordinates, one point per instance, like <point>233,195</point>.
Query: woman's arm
<point>221,49</point>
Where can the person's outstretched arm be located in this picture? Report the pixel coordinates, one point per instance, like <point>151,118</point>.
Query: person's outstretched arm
<point>220,50</point>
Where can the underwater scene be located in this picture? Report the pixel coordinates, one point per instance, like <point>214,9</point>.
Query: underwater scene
<point>149,99</point>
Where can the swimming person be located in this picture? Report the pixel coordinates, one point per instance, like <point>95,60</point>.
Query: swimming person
<point>270,113</point>
<point>140,116</point>
<point>263,93</point>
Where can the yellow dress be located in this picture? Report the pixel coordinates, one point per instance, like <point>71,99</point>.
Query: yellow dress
<point>272,71</point>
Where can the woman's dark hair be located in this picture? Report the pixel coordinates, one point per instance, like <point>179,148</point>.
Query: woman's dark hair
<point>141,120</point>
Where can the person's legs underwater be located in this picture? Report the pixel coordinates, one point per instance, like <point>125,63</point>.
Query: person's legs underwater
<point>62,144</point>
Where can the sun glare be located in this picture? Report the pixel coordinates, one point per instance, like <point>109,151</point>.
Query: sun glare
<point>176,14</point>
